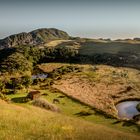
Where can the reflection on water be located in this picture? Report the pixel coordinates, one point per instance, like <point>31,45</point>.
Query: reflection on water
<point>39,76</point>
<point>127,109</point>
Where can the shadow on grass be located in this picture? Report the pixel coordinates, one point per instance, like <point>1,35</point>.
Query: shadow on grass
<point>20,100</point>
<point>117,122</point>
<point>83,113</point>
<point>128,123</point>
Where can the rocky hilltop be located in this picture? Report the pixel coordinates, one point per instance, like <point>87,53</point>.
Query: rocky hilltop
<point>35,37</point>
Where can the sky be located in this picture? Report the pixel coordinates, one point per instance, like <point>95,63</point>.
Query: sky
<point>85,18</point>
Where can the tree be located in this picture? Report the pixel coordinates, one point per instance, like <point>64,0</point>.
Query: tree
<point>2,85</point>
<point>16,62</point>
<point>26,81</point>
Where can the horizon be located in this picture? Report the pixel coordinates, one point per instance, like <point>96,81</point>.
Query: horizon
<point>112,39</point>
<point>86,19</point>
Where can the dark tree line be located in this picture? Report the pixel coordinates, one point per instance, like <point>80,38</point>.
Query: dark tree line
<point>24,58</point>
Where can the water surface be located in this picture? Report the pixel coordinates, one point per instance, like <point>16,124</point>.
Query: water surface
<point>127,109</point>
<point>39,76</point>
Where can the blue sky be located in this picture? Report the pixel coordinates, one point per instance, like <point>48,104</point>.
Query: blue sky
<point>84,18</point>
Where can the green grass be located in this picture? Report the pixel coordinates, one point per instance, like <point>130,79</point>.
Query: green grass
<point>32,123</point>
<point>91,47</point>
<point>70,107</point>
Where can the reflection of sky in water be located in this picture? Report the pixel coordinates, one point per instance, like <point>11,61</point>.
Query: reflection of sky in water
<point>127,109</point>
<point>39,76</point>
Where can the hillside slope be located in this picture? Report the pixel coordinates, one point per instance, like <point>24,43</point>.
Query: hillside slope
<point>27,122</point>
<point>35,37</point>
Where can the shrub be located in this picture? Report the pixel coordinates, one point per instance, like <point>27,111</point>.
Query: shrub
<point>57,73</point>
<point>33,95</point>
<point>138,107</point>
<point>36,81</point>
<point>2,85</point>
<point>49,82</point>
<point>26,80</point>
<point>31,53</point>
<point>14,83</point>
<point>3,97</point>
<point>136,118</point>
<point>40,102</point>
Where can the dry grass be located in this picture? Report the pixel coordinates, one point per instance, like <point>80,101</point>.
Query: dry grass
<point>102,89</point>
<point>43,103</point>
<point>55,43</point>
<point>30,123</point>
<point>49,67</point>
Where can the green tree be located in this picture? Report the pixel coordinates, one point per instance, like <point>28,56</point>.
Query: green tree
<point>15,63</point>
<point>26,81</point>
<point>2,85</point>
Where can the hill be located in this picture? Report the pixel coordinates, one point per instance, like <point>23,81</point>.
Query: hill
<point>70,75</point>
<point>41,124</point>
<point>35,37</point>
<point>116,53</point>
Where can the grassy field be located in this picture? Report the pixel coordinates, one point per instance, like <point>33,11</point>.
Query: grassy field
<point>55,43</point>
<point>76,120</point>
<point>73,108</point>
<point>31,123</point>
<point>91,47</point>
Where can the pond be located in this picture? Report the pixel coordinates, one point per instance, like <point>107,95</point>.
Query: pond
<point>39,76</point>
<point>127,109</point>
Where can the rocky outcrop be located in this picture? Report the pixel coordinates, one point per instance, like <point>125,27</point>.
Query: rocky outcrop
<point>36,37</point>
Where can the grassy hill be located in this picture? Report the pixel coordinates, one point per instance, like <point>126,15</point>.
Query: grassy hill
<point>91,47</point>
<point>36,37</point>
<point>78,78</point>
<point>27,122</point>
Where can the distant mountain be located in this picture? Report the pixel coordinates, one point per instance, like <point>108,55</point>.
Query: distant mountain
<point>35,37</point>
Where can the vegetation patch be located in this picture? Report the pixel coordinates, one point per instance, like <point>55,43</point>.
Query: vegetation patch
<point>28,122</point>
<point>101,89</point>
<point>40,102</point>
<point>138,107</point>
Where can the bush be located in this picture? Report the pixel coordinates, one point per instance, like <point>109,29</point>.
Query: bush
<point>40,102</point>
<point>26,81</point>
<point>57,73</point>
<point>19,83</point>
<point>2,85</point>
<point>14,83</point>
<point>49,82</point>
<point>36,81</point>
<point>3,97</point>
<point>138,107</point>
<point>31,53</point>
<point>136,118</point>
